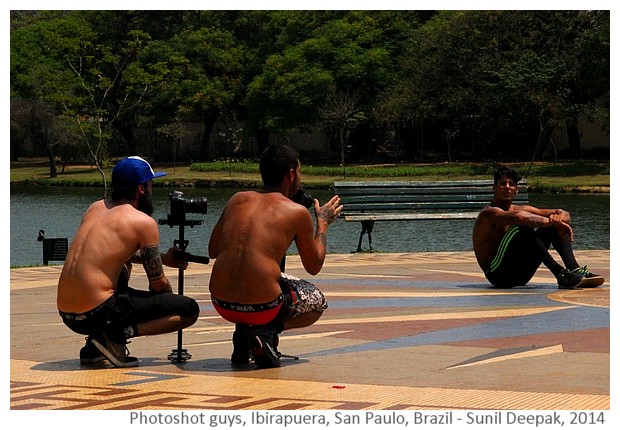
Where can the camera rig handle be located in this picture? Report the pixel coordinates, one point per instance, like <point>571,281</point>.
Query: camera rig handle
<point>186,256</point>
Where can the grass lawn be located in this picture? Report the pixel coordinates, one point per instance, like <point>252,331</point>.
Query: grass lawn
<point>542,177</point>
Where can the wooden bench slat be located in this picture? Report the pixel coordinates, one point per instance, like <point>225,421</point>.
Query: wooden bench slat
<point>418,184</point>
<point>369,199</point>
<point>410,216</point>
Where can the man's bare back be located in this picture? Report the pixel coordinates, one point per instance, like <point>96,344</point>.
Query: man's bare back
<point>261,225</point>
<point>105,241</point>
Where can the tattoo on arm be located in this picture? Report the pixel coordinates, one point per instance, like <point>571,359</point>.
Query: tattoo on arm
<point>322,238</point>
<point>151,260</point>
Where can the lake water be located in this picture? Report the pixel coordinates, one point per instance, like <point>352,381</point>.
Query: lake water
<point>58,210</point>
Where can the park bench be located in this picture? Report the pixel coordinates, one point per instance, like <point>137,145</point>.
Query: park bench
<point>369,202</point>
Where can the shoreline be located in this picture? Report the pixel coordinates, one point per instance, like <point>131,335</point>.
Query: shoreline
<point>308,184</point>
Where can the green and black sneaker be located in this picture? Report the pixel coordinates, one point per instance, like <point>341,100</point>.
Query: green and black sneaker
<point>591,280</point>
<point>568,280</point>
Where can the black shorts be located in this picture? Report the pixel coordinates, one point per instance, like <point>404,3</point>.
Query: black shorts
<point>518,256</point>
<point>128,308</point>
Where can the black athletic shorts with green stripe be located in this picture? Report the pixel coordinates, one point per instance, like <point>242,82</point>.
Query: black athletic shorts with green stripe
<point>518,256</point>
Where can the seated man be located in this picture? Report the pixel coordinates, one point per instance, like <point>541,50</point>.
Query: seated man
<point>94,298</point>
<point>250,241</point>
<point>511,241</point>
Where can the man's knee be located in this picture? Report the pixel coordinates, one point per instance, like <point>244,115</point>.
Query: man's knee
<point>304,320</point>
<point>191,310</point>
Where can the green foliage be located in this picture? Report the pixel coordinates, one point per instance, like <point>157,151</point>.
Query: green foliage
<point>498,76</point>
<point>226,165</point>
<point>462,83</point>
<point>484,170</point>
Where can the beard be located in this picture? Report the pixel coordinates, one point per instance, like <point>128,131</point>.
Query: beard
<point>145,204</point>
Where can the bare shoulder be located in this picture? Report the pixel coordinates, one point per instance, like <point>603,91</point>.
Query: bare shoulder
<point>135,216</point>
<point>491,212</point>
<point>242,197</point>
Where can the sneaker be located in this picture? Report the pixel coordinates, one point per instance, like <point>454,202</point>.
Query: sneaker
<point>89,354</point>
<point>591,280</point>
<point>241,349</point>
<point>116,353</point>
<point>263,341</point>
<point>568,280</point>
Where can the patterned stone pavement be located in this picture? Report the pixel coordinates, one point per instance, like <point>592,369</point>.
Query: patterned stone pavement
<point>414,331</point>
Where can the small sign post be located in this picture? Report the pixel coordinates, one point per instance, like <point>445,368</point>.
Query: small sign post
<point>55,249</point>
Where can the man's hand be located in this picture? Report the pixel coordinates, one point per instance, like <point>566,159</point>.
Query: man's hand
<point>170,260</point>
<point>557,221</point>
<point>564,216</point>
<point>330,211</point>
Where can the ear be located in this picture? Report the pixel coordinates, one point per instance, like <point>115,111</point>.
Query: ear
<point>141,190</point>
<point>291,175</point>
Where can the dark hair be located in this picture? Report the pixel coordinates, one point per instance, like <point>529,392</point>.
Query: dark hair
<point>505,171</point>
<point>275,162</point>
<point>123,193</point>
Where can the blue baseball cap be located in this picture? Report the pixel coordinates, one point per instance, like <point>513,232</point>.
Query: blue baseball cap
<point>133,171</point>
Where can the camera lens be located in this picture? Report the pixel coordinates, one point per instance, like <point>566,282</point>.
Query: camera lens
<point>303,198</point>
<point>196,205</point>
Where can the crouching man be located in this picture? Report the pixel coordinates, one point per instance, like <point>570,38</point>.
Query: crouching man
<point>94,298</point>
<point>250,241</point>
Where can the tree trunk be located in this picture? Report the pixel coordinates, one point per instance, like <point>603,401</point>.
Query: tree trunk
<point>262,140</point>
<point>128,135</point>
<point>50,154</point>
<point>574,138</point>
<point>205,147</point>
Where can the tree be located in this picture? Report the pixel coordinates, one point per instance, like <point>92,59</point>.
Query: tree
<point>32,121</point>
<point>341,112</point>
<point>498,76</point>
<point>61,61</point>
<point>351,53</point>
<point>203,77</point>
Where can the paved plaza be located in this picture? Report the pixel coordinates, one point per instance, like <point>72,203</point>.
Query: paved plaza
<point>411,331</point>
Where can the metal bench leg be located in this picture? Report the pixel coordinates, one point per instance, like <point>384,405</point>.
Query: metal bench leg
<point>359,244</point>
<point>367,227</point>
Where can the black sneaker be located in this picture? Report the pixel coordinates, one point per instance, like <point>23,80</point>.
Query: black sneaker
<point>116,353</point>
<point>568,280</point>
<point>89,354</point>
<point>591,280</point>
<point>263,341</point>
<point>241,348</point>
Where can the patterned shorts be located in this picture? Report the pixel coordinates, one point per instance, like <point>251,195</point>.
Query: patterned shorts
<point>300,297</point>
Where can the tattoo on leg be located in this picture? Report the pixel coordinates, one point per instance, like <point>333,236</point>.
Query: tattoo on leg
<point>151,260</point>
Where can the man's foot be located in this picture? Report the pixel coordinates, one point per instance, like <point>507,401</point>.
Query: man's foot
<point>568,280</point>
<point>264,341</point>
<point>89,354</point>
<point>116,353</point>
<point>591,280</point>
<point>241,349</point>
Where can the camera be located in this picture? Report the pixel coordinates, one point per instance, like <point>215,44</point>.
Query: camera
<point>179,206</point>
<point>303,198</point>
